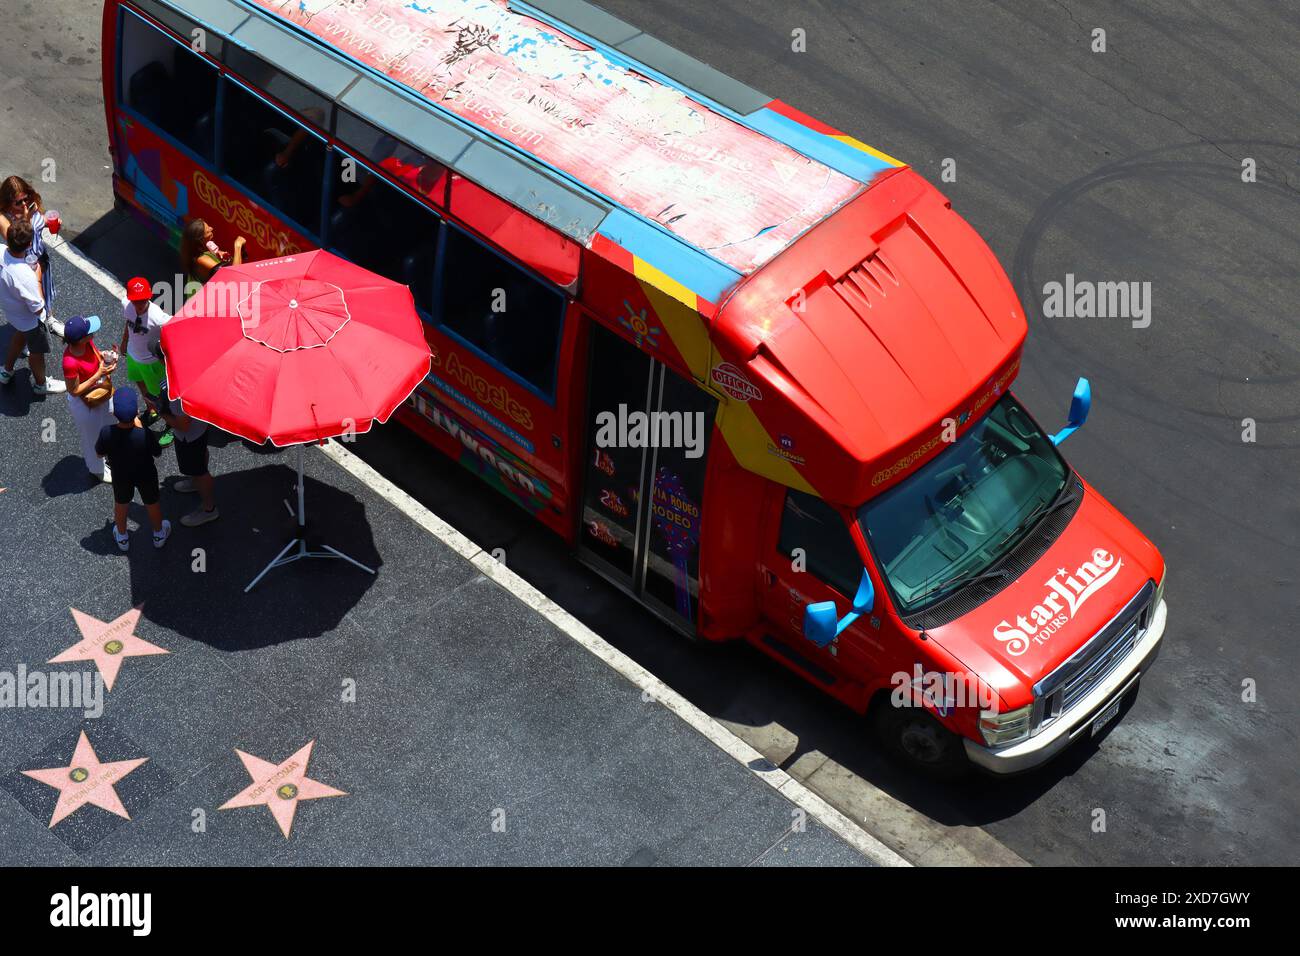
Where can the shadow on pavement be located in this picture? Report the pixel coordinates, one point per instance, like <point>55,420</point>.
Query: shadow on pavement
<point>194,585</point>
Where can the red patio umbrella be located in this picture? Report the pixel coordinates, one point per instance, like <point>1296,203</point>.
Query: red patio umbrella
<point>294,350</point>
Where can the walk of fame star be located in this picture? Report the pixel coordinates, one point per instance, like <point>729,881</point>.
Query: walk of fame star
<point>280,786</point>
<point>86,780</point>
<point>107,643</point>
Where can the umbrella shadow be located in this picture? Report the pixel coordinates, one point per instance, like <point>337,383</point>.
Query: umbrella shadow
<point>194,585</point>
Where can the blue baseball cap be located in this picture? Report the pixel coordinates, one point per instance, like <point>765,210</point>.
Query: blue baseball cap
<point>79,326</point>
<point>126,404</point>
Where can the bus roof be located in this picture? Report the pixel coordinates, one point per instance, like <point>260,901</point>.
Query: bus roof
<point>701,176</point>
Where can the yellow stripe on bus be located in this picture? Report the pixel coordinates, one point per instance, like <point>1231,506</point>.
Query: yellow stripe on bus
<point>749,441</point>
<point>675,307</point>
<point>858,144</point>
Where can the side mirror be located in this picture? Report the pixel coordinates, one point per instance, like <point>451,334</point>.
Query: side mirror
<point>819,619</point>
<point>1079,406</point>
<point>819,623</point>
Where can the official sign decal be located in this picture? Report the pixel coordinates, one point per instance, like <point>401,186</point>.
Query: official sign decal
<point>1066,594</point>
<point>732,380</point>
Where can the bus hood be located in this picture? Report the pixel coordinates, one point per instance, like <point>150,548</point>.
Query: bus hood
<point>859,344</point>
<point>1020,635</point>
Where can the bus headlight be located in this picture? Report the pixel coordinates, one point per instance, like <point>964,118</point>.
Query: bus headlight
<point>1008,728</point>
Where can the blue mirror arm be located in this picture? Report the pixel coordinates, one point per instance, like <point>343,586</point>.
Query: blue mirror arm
<point>1064,433</point>
<point>845,621</point>
<point>863,602</point>
<point>1080,404</point>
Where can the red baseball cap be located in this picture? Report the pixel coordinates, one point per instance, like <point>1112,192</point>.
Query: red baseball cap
<point>138,290</point>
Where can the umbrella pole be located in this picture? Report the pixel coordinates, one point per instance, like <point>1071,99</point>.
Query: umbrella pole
<point>302,506</point>
<point>284,557</point>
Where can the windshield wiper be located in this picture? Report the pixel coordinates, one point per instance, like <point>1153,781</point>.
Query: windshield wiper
<point>961,580</point>
<point>1043,509</point>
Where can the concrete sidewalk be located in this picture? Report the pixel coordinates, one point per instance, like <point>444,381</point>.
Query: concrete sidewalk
<point>452,722</point>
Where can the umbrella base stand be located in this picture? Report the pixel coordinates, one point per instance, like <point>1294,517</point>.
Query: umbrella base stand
<point>297,548</point>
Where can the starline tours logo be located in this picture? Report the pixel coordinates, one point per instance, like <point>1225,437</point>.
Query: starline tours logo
<point>1066,594</point>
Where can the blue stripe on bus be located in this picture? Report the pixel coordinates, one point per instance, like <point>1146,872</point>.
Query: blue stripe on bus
<point>832,152</point>
<point>699,272</point>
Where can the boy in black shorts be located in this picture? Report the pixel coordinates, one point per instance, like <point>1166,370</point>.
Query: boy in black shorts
<point>130,449</point>
<point>191,457</point>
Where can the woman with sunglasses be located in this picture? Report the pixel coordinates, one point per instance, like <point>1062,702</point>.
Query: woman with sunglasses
<point>19,201</point>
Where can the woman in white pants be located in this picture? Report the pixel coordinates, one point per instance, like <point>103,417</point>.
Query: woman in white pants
<point>89,387</point>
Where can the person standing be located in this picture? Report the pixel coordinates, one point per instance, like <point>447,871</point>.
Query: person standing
<point>142,321</point>
<point>18,200</point>
<point>130,449</point>
<point>90,388</point>
<point>23,304</point>
<point>191,458</point>
<point>200,255</point>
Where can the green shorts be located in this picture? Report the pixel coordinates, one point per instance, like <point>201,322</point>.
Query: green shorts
<point>149,374</point>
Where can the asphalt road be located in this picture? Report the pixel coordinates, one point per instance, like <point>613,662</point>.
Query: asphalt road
<point>1123,165</point>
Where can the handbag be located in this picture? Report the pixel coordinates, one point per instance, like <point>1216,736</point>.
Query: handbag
<point>101,393</point>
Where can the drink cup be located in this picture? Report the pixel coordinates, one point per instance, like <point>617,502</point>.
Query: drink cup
<point>53,221</point>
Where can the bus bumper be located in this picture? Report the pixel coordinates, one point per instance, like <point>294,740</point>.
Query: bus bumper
<point>1042,747</point>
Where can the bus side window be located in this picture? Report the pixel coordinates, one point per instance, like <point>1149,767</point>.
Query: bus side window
<point>512,317</point>
<point>168,85</point>
<point>419,173</point>
<point>275,157</point>
<point>376,225</point>
<point>809,523</point>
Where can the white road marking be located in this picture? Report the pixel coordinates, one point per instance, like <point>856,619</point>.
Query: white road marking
<point>794,791</point>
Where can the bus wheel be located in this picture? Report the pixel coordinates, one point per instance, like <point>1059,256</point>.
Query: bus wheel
<point>915,738</point>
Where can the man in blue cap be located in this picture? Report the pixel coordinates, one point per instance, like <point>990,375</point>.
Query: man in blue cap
<point>131,449</point>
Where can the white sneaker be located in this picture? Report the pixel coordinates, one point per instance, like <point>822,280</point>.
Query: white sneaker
<point>6,376</point>
<point>55,326</point>
<point>51,386</point>
<point>123,540</point>
<point>160,537</point>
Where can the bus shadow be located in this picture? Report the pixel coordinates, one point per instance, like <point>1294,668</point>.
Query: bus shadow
<point>732,682</point>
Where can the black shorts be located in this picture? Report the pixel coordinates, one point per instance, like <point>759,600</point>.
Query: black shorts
<point>192,456</point>
<point>124,488</point>
<point>38,341</point>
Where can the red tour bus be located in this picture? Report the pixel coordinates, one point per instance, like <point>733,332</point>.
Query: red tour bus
<point>756,372</point>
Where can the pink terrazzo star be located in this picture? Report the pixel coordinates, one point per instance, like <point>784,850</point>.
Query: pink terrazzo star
<point>107,643</point>
<point>86,780</point>
<point>280,786</point>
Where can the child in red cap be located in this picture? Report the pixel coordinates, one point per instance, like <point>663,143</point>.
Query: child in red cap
<point>142,323</point>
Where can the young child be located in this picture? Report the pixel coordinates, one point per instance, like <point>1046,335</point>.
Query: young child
<point>142,320</point>
<point>130,449</point>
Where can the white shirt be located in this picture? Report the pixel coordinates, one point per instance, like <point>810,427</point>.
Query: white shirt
<point>142,329</point>
<point>20,293</point>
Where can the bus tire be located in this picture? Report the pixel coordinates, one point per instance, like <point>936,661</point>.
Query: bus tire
<point>915,738</point>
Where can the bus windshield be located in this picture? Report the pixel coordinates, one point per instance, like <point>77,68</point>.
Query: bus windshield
<point>957,516</point>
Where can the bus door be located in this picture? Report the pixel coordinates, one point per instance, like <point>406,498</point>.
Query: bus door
<point>642,506</point>
<point>810,556</point>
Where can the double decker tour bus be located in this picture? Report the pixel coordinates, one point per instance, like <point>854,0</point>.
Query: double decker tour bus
<point>755,371</point>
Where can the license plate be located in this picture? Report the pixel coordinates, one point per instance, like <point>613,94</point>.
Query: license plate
<point>1106,716</point>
